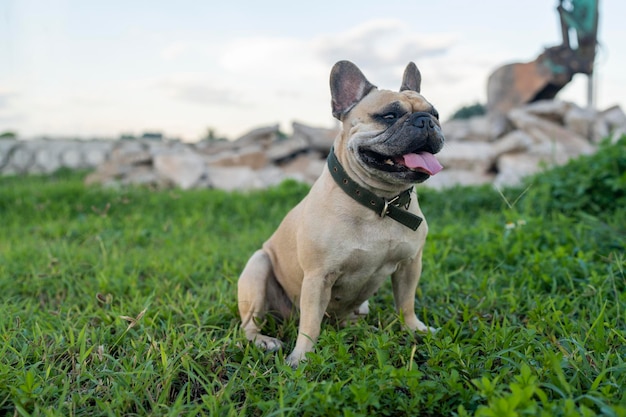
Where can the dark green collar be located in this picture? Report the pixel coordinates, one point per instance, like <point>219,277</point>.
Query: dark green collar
<point>383,207</point>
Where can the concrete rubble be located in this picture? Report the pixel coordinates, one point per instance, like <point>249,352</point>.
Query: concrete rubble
<point>537,136</point>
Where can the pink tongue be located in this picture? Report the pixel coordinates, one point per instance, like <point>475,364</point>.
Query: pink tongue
<point>424,161</point>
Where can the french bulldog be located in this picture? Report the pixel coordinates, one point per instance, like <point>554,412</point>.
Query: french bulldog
<point>360,222</point>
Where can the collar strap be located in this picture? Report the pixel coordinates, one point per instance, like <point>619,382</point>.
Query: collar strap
<point>382,206</point>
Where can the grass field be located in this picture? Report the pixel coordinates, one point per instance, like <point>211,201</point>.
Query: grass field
<point>123,302</point>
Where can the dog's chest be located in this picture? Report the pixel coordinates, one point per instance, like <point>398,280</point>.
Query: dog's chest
<point>366,266</point>
<point>369,257</point>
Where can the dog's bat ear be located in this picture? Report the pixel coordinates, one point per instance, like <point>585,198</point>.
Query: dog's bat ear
<point>348,86</point>
<point>412,79</point>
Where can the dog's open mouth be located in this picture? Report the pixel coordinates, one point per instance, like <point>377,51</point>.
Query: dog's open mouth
<point>424,162</point>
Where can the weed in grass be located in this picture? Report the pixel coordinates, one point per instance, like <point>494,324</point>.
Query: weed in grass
<point>123,302</point>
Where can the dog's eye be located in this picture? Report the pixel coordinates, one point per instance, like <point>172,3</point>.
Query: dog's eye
<point>389,114</point>
<point>435,114</point>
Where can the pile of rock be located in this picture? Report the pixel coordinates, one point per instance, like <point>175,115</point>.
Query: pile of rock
<point>259,159</point>
<point>19,157</point>
<point>539,135</point>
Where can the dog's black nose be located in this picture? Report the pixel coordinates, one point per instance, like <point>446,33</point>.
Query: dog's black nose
<point>422,120</point>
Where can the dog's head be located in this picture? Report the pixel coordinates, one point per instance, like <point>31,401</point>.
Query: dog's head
<point>388,137</point>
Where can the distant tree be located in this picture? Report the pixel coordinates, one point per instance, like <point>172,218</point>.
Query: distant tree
<point>8,135</point>
<point>466,112</point>
<point>152,136</point>
<point>212,136</point>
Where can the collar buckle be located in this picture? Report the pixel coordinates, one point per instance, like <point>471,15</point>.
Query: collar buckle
<point>385,209</point>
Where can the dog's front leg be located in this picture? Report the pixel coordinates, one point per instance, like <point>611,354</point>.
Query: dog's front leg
<point>314,299</point>
<point>404,282</point>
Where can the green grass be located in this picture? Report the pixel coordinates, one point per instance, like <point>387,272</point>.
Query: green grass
<point>123,302</point>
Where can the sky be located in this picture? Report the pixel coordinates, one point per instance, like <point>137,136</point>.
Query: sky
<point>103,68</point>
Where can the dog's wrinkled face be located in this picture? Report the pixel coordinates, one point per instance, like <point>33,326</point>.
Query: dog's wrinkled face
<point>392,136</point>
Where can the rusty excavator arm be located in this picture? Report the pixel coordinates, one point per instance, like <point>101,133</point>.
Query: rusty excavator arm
<point>516,84</point>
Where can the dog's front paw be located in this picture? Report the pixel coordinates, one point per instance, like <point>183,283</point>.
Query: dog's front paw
<point>422,328</point>
<point>414,324</point>
<point>295,358</point>
<point>270,344</point>
<point>428,329</point>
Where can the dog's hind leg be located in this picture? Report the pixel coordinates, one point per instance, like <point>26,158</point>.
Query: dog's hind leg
<point>358,313</point>
<point>258,294</point>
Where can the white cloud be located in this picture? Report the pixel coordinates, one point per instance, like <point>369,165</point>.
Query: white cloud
<point>268,79</point>
<point>4,101</point>
<point>6,95</point>
<point>257,61</point>
<point>199,89</point>
<point>287,77</point>
<point>381,43</point>
<point>381,48</point>
<point>8,114</point>
<point>174,51</point>
<point>375,44</point>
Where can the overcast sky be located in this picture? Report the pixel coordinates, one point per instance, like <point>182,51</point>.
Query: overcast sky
<point>109,67</point>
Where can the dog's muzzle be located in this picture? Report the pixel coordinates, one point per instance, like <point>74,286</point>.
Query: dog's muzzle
<point>427,130</point>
